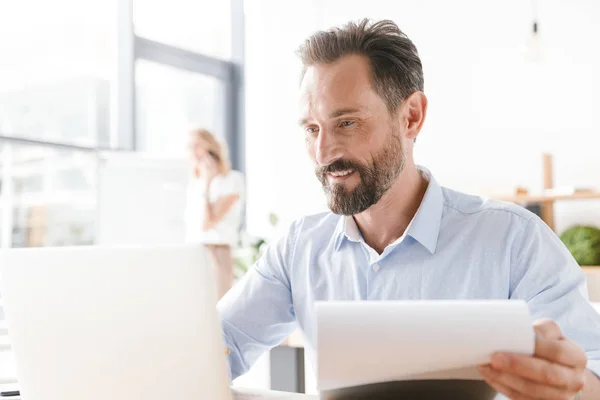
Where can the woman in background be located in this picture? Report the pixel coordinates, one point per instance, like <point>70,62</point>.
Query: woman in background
<point>214,204</point>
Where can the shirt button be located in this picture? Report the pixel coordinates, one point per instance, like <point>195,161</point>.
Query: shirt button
<point>227,351</point>
<point>375,267</point>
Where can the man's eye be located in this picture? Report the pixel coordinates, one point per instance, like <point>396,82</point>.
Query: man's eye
<point>311,130</point>
<point>347,123</point>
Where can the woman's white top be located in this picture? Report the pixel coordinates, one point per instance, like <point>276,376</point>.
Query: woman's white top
<point>227,229</point>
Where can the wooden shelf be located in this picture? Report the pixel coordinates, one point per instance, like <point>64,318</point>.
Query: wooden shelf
<point>546,201</point>
<point>545,198</point>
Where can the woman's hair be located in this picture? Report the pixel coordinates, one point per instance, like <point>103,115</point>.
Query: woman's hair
<point>214,147</point>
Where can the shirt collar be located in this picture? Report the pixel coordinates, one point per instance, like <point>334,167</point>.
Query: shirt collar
<point>424,227</point>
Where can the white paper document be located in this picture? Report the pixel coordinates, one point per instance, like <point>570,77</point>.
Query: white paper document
<point>363,342</point>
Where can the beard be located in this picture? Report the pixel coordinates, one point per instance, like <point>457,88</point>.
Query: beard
<point>376,178</point>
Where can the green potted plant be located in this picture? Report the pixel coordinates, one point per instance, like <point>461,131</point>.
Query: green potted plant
<point>584,244</point>
<point>250,249</point>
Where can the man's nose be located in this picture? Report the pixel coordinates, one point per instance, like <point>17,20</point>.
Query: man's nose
<point>327,148</point>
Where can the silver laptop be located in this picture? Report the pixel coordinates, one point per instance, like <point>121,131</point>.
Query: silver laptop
<point>116,323</point>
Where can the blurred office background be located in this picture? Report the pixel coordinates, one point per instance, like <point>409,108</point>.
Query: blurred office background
<point>96,98</point>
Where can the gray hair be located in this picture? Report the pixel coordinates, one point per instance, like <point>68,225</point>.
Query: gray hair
<point>395,63</point>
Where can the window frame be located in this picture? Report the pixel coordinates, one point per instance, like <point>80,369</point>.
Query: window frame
<point>123,135</point>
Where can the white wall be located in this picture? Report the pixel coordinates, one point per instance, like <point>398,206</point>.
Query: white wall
<point>279,175</point>
<point>491,113</point>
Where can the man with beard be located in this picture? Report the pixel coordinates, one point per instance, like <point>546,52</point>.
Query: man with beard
<point>395,234</point>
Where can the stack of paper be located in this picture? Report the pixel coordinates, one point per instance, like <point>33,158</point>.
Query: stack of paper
<point>369,342</point>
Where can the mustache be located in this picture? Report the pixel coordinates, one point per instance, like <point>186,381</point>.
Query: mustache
<point>339,165</point>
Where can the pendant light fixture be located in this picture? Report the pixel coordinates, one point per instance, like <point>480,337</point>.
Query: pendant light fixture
<point>533,51</point>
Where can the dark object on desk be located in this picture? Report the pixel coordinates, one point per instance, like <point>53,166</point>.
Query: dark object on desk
<point>422,390</point>
<point>287,369</point>
<point>11,393</point>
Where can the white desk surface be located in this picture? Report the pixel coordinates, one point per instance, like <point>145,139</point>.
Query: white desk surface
<point>255,394</point>
<point>252,394</point>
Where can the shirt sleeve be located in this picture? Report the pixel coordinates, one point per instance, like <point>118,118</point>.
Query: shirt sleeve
<point>257,313</point>
<point>546,276</point>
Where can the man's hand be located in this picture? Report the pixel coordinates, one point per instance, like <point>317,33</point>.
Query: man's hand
<point>555,372</point>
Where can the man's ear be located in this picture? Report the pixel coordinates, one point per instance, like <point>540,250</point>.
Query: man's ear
<point>413,112</point>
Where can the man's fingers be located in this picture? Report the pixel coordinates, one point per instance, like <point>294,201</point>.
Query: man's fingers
<point>517,387</point>
<point>539,371</point>
<point>556,371</point>
<point>563,352</point>
<point>547,329</point>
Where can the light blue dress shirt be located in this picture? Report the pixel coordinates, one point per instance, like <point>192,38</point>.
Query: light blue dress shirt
<point>456,247</point>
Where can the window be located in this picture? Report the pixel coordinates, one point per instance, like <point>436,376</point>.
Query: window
<point>55,73</point>
<point>53,196</point>
<point>70,70</point>
<point>170,101</point>
<point>201,26</point>
<point>4,191</point>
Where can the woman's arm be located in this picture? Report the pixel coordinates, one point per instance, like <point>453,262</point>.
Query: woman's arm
<point>214,212</point>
